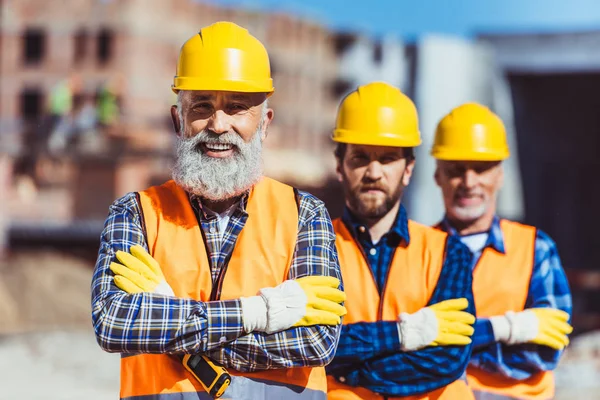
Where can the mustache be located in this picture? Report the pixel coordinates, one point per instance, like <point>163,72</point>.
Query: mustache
<point>462,192</point>
<point>207,137</point>
<point>372,186</point>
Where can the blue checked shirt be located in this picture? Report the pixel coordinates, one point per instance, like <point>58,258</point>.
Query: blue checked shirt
<point>369,353</point>
<point>150,323</point>
<point>548,288</point>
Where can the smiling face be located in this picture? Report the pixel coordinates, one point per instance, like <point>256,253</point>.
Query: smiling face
<point>469,189</point>
<point>219,143</point>
<point>374,178</point>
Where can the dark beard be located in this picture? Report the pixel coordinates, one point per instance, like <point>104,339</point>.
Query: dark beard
<point>370,210</point>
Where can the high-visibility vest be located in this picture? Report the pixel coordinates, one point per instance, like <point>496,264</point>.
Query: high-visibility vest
<point>501,284</point>
<point>411,282</point>
<point>261,258</point>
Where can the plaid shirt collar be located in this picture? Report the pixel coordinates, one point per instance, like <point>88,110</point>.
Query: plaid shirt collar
<point>196,201</point>
<point>399,228</point>
<point>495,238</point>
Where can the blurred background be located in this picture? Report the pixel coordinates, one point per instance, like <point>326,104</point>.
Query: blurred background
<point>84,119</point>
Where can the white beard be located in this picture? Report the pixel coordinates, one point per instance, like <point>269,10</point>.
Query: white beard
<point>470,213</point>
<point>218,179</point>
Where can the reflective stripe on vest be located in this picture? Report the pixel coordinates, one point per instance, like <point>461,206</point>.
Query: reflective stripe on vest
<point>242,388</point>
<point>261,258</point>
<point>416,268</point>
<point>507,277</point>
<point>491,396</point>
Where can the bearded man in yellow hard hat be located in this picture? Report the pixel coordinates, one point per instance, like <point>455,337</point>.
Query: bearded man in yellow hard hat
<point>221,263</point>
<point>521,293</point>
<point>409,299</point>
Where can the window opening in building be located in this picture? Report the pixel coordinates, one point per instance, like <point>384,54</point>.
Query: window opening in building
<point>31,104</point>
<point>105,47</point>
<point>34,46</point>
<point>81,44</point>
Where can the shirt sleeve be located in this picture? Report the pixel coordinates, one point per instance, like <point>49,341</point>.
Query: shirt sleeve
<point>315,254</point>
<point>362,341</point>
<point>483,335</point>
<point>145,322</point>
<point>548,288</point>
<point>398,373</point>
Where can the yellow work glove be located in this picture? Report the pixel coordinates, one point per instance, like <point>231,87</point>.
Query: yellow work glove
<point>543,326</point>
<point>441,324</point>
<point>138,272</point>
<point>323,301</point>
<point>455,327</point>
<point>311,300</point>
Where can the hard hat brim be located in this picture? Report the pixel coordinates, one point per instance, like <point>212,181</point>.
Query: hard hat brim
<point>470,155</point>
<point>374,138</point>
<point>229,85</point>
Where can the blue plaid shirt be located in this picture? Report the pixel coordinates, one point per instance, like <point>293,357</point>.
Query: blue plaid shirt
<point>369,353</point>
<point>548,288</point>
<point>150,323</point>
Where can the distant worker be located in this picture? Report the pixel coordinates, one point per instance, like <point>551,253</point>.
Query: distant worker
<point>108,102</point>
<point>521,293</point>
<point>410,304</point>
<point>62,96</point>
<point>108,107</point>
<point>61,110</point>
<point>219,263</point>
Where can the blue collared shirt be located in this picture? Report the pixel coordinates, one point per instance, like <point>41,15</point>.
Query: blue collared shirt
<point>548,288</point>
<point>369,354</point>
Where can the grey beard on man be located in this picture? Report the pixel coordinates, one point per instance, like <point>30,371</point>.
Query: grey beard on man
<point>218,179</point>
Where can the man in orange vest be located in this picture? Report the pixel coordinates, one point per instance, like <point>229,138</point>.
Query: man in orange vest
<point>219,262</point>
<point>406,334</point>
<point>521,293</point>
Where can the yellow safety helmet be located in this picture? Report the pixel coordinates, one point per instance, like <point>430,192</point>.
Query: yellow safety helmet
<point>377,114</point>
<point>470,132</point>
<point>223,56</point>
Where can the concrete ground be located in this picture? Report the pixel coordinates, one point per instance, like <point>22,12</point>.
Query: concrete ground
<point>57,366</point>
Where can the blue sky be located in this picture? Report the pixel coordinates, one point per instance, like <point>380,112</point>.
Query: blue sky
<point>410,18</point>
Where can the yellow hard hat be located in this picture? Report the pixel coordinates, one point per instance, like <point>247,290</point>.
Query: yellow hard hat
<point>470,132</point>
<point>223,56</point>
<point>377,114</point>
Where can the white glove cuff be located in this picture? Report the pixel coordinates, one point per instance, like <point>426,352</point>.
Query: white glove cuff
<point>254,314</point>
<point>501,328</point>
<point>164,289</point>
<point>524,326</point>
<point>417,330</point>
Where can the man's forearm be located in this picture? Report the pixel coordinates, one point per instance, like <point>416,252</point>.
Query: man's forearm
<point>311,346</point>
<point>147,323</point>
<point>517,362</point>
<point>151,323</point>
<point>411,373</point>
<point>483,335</point>
<point>362,341</point>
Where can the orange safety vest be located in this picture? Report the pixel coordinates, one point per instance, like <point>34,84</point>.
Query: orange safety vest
<point>415,269</point>
<point>261,258</point>
<point>507,277</point>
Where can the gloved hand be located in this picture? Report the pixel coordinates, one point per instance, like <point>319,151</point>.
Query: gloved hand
<point>544,326</point>
<point>441,324</point>
<point>307,301</point>
<point>311,300</point>
<point>139,272</point>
